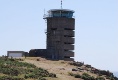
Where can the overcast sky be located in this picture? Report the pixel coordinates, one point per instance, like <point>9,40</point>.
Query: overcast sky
<point>96,35</point>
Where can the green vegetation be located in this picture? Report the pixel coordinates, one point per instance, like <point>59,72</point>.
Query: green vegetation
<point>75,75</point>
<point>86,76</point>
<point>12,69</point>
<point>100,78</point>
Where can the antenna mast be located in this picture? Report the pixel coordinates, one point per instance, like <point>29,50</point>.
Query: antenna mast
<point>61,4</point>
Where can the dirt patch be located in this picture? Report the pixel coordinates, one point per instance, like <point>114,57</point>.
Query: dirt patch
<point>60,68</point>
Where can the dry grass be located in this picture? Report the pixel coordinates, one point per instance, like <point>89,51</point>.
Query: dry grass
<point>60,68</point>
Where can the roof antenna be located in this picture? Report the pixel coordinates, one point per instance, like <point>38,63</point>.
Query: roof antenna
<point>44,16</point>
<point>61,4</point>
<point>44,11</point>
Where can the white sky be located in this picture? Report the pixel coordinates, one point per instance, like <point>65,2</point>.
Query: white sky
<point>22,28</point>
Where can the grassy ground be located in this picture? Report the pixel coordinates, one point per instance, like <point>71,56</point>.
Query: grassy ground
<point>16,69</point>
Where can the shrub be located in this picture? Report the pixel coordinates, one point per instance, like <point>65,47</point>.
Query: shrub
<point>100,78</point>
<point>10,78</point>
<point>77,76</point>
<point>12,67</point>
<point>71,74</point>
<point>86,76</point>
<point>52,75</point>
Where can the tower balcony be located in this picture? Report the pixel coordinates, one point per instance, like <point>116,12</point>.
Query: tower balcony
<point>69,33</point>
<point>69,54</point>
<point>68,47</point>
<point>68,59</point>
<point>69,40</point>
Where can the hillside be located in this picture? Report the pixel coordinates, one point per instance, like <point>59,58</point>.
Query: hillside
<point>37,68</point>
<point>66,70</point>
<point>16,69</point>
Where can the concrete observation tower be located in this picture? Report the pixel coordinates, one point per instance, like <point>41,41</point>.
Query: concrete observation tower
<point>60,34</point>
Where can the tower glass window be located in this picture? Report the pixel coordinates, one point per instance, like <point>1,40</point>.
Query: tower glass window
<point>60,13</point>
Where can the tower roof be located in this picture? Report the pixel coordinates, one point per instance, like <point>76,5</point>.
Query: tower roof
<point>66,10</point>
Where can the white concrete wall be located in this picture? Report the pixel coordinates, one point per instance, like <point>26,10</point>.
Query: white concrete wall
<point>15,54</point>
